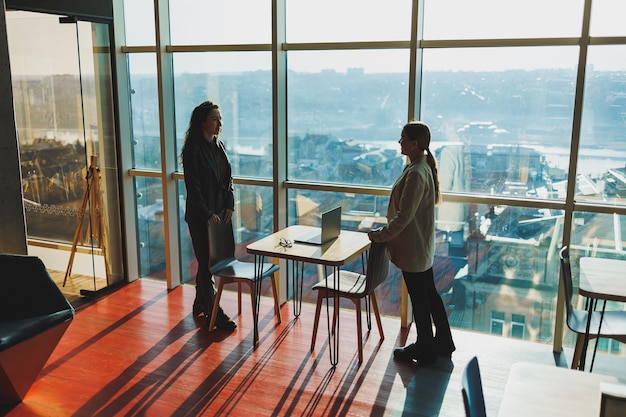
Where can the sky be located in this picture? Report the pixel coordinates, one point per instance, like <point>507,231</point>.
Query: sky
<point>221,22</point>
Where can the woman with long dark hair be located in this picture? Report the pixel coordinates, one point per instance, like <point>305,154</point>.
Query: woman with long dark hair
<point>210,199</point>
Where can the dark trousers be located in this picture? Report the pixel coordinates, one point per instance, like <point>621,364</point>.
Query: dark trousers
<point>428,309</point>
<point>205,286</point>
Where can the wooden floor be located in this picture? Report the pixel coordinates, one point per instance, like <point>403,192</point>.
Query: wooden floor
<point>138,351</point>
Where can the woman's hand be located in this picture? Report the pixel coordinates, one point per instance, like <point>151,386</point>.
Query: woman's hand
<point>227,215</point>
<point>214,219</point>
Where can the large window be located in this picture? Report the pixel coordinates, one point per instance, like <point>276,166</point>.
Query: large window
<point>241,83</point>
<point>526,111</point>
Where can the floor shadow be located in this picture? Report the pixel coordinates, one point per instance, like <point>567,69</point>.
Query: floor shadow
<point>425,391</point>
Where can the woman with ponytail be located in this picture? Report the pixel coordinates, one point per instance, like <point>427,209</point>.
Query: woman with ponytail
<point>410,237</point>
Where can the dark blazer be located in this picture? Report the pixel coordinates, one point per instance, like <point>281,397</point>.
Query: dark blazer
<point>206,193</point>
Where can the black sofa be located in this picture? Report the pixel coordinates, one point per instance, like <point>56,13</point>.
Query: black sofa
<point>34,315</point>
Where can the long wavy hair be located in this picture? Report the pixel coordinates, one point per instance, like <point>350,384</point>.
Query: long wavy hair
<point>420,132</point>
<point>198,116</point>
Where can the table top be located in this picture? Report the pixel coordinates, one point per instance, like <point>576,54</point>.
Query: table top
<point>534,390</point>
<point>334,253</point>
<point>603,278</point>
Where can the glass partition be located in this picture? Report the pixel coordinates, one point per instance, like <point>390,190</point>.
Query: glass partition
<point>64,110</point>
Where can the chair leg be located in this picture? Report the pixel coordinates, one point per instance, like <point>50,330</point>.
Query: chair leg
<point>359,330</point>
<point>377,315</point>
<point>239,298</point>
<point>252,298</point>
<point>580,340</point>
<point>316,320</point>
<point>216,303</point>
<point>275,293</point>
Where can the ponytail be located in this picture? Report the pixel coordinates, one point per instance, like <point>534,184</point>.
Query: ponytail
<point>432,162</point>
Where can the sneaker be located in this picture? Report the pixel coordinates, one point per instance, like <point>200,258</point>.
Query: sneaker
<point>223,322</point>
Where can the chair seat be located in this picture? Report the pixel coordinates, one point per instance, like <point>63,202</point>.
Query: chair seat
<point>349,284</point>
<point>233,268</point>
<point>613,323</point>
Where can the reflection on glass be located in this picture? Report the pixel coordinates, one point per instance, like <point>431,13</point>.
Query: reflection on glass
<point>348,21</point>
<point>64,119</point>
<point>601,169</point>
<point>507,116</point>
<point>600,236</point>
<point>201,22</point>
<point>150,226</point>
<point>505,266</point>
<point>144,102</point>
<point>344,123</point>
<point>493,19</point>
<point>253,219</point>
<point>241,83</point>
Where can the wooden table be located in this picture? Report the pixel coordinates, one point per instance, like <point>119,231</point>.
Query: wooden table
<point>333,254</point>
<point>541,390</point>
<point>600,279</point>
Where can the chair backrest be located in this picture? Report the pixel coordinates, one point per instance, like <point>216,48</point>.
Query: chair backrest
<point>566,279</point>
<point>612,404</point>
<point>221,244</point>
<point>377,266</point>
<point>472,390</point>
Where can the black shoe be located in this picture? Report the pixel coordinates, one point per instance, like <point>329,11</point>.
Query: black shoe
<point>406,354</point>
<point>446,354</point>
<point>445,348</point>
<point>198,310</point>
<point>223,322</point>
<point>424,360</point>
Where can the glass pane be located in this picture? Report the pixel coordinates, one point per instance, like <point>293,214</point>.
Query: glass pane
<point>61,72</point>
<point>601,170</point>
<point>150,227</point>
<point>512,267</point>
<point>241,84</point>
<point>599,235</point>
<point>139,23</point>
<point>607,18</point>
<point>253,219</point>
<point>593,236</point>
<point>144,101</point>
<point>214,22</point>
<point>507,112</point>
<point>346,110</point>
<point>348,20</point>
<point>494,19</point>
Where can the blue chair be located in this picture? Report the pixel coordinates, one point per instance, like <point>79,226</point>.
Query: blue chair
<point>472,390</point>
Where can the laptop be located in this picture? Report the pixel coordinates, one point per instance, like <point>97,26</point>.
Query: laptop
<point>331,227</point>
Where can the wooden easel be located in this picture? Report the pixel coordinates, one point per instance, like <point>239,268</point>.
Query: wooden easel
<point>91,196</point>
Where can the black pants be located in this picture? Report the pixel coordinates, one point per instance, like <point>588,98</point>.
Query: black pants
<point>205,286</point>
<point>428,309</point>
